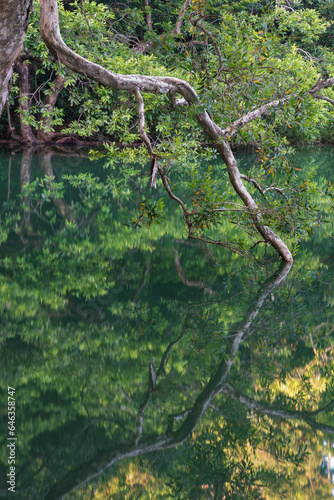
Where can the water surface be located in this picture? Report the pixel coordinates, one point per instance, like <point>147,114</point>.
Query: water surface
<point>146,365</point>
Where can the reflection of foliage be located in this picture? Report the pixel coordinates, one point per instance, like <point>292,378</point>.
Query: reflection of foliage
<point>87,307</point>
<point>220,463</point>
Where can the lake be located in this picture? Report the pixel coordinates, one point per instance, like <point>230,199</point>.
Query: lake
<point>136,363</point>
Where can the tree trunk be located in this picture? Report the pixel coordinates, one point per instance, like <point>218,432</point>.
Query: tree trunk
<point>44,134</point>
<point>22,68</point>
<point>14,17</point>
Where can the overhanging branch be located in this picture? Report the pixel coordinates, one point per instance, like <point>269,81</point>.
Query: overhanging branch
<point>49,26</point>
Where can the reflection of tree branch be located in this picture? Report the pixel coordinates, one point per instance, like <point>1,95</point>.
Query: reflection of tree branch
<point>143,283</point>
<point>184,279</point>
<point>106,458</point>
<point>26,160</point>
<point>219,410</point>
<point>9,172</point>
<point>86,381</point>
<point>174,418</point>
<point>152,381</point>
<point>46,166</point>
<point>280,412</point>
<point>164,359</point>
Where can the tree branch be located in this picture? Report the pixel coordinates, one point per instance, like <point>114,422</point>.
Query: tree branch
<point>176,102</point>
<point>252,404</point>
<point>148,14</point>
<point>49,26</point>
<point>49,105</point>
<point>273,188</point>
<point>22,69</point>
<point>253,181</point>
<point>141,113</point>
<point>180,17</point>
<point>252,115</point>
<point>213,40</point>
<point>317,96</point>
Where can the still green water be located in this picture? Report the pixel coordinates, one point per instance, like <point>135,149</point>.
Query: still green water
<point>147,366</point>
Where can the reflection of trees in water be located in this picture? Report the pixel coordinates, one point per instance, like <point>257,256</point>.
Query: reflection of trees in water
<point>45,158</point>
<point>217,396</point>
<point>189,418</point>
<point>26,160</point>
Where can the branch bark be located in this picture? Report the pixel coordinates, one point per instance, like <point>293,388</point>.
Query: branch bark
<point>253,115</point>
<point>148,14</point>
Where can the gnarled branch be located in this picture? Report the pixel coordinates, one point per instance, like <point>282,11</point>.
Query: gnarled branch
<point>49,26</point>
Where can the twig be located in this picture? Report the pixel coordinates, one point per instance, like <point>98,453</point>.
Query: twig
<point>213,40</point>
<point>271,188</point>
<point>253,181</point>
<point>170,192</point>
<point>257,243</point>
<point>323,97</point>
<point>87,22</point>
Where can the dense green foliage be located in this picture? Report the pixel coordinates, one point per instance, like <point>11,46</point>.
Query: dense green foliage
<point>237,56</point>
